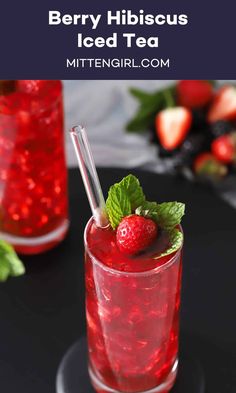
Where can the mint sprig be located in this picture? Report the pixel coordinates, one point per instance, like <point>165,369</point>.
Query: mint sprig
<point>127,198</point>
<point>166,214</point>
<point>170,214</point>
<point>117,205</point>
<point>133,190</point>
<point>10,264</point>
<point>149,105</point>
<point>148,209</point>
<point>176,238</point>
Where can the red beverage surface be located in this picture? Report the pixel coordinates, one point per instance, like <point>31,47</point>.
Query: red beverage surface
<point>33,178</point>
<point>132,307</point>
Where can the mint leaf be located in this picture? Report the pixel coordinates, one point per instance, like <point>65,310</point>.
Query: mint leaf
<point>148,209</point>
<point>176,241</point>
<point>134,191</point>
<point>123,199</point>
<point>141,95</point>
<point>10,264</point>
<point>212,82</point>
<point>16,266</point>
<point>117,205</point>
<point>150,105</point>
<point>127,197</point>
<point>145,115</point>
<point>4,269</point>
<point>169,214</point>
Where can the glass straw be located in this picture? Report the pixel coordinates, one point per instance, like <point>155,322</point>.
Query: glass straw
<point>89,175</point>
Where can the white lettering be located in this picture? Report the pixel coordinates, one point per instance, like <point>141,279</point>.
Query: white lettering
<point>54,18</point>
<point>99,42</point>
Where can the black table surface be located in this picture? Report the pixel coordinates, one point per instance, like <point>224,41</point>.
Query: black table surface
<point>42,313</point>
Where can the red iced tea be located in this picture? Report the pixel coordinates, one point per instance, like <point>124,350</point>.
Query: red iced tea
<point>33,178</point>
<point>132,307</point>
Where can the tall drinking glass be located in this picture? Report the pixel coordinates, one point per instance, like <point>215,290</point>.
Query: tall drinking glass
<point>132,309</point>
<point>33,174</point>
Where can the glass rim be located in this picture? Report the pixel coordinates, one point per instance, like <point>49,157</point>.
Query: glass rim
<point>42,110</point>
<point>155,270</point>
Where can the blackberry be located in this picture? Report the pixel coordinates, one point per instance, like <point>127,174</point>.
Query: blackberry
<point>163,153</point>
<point>198,120</point>
<point>221,127</point>
<point>153,135</point>
<point>232,168</point>
<point>193,144</point>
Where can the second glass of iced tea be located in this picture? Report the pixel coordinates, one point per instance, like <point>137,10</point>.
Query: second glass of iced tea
<point>132,308</point>
<point>33,174</point>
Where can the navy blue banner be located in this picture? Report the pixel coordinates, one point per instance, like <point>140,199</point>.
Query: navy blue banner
<point>81,39</point>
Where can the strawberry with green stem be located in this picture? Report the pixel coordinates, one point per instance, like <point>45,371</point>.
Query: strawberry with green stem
<point>206,165</point>
<point>137,222</point>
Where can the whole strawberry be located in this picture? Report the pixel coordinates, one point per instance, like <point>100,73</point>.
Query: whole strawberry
<point>135,233</point>
<point>194,93</point>
<point>224,149</point>
<point>206,164</point>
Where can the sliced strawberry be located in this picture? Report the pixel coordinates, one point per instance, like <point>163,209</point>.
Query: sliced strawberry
<point>224,105</point>
<point>172,126</point>
<point>194,93</point>
<point>223,148</point>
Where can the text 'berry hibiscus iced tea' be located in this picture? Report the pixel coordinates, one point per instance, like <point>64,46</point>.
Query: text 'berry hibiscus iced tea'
<point>133,283</point>
<point>33,176</point>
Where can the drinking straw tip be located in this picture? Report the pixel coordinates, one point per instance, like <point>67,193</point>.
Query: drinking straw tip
<point>100,218</point>
<point>76,130</point>
<point>89,175</point>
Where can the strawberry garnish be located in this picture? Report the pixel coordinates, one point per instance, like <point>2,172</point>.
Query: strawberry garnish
<point>224,105</point>
<point>223,148</point>
<point>135,233</point>
<point>172,126</point>
<point>137,221</point>
<point>194,93</point>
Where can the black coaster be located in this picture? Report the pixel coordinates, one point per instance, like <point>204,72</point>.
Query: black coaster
<point>72,375</point>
